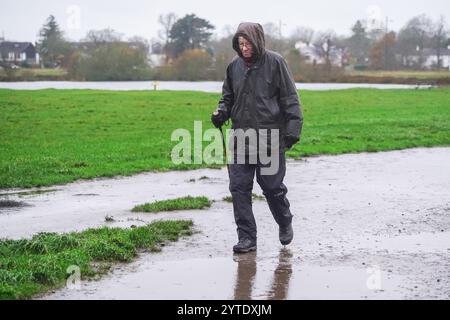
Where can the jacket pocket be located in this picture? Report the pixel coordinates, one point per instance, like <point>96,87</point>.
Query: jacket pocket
<point>268,111</point>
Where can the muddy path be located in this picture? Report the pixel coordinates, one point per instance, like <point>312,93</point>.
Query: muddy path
<point>367,226</point>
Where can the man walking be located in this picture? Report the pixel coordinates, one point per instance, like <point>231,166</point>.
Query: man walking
<point>259,94</point>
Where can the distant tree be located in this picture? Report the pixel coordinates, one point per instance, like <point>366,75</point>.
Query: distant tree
<point>118,61</point>
<point>323,43</point>
<point>274,40</point>
<point>440,35</point>
<point>106,57</point>
<point>303,34</point>
<point>74,66</point>
<point>271,30</point>
<point>192,65</point>
<point>166,21</point>
<point>359,43</point>
<point>103,36</point>
<point>10,72</point>
<point>382,54</point>
<point>140,43</point>
<point>223,54</point>
<point>413,38</point>
<point>295,61</point>
<point>51,45</point>
<point>189,32</point>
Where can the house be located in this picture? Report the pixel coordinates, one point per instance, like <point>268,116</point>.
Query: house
<point>157,58</point>
<point>18,53</point>
<point>428,58</point>
<point>315,54</point>
<point>431,58</point>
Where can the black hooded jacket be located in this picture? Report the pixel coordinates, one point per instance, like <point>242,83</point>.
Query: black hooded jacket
<point>263,96</point>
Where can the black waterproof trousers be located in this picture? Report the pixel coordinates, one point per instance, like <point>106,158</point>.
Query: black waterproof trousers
<point>241,186</point>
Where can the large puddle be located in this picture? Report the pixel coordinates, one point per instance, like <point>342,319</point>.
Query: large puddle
<point>367,226</point>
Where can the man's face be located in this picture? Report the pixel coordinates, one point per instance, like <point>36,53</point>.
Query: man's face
<point>245,47</point>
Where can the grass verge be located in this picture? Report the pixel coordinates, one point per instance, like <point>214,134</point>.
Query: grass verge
<point>254,197</point>
<point>184,203</point>
<point>32,266</point>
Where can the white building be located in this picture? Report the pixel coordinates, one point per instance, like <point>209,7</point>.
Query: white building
<point>314,54</point>
<point>429,58</point>
<point>18,53</point>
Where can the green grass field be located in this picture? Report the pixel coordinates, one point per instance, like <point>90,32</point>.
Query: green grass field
<point>58,136</point>
<point>32,266</point>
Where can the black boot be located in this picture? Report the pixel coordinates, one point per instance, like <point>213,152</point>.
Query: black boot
<point>286,234</point>
<point>245,245</point>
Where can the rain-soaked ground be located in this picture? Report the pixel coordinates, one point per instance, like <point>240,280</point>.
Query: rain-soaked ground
<point>367,226</point>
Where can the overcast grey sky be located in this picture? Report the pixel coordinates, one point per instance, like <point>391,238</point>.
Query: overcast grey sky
<point>21,20</point>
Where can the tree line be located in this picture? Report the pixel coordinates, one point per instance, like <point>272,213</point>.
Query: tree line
<point>190,50</point>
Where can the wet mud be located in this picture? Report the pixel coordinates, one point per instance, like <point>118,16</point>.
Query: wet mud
<point>367,226</point>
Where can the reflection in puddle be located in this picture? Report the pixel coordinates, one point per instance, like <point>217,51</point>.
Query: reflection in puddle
<point>8,204</point>
<point>29,193</point>
<point>281,276</point>
<point>246,272</point>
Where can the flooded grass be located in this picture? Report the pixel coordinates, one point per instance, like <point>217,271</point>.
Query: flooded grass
<point>29,267</point>
<point>11,204</point>
<point>30,193</point>
<point>58,136</point>
<point>184,203</point>
<point>258,197</point>
<point>228,199</point>
<point>254,197</point>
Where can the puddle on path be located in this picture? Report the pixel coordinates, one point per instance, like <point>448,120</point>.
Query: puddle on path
<point>367,226</point>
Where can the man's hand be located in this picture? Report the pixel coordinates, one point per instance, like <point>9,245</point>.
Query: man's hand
<point>218,118</point>
<point>289,141</point>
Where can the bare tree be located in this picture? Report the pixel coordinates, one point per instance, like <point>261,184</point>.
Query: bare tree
<point>274,39</point>
<point>166,21</point>
<point>303,34</point>
<point>223,54</point>
<point>382,55</point>
<point>440,35</point>
<point>101,36</point>
<point>358,43</point>
<point>323,43</point>
<point>140,43</point>
<point>413,38</point>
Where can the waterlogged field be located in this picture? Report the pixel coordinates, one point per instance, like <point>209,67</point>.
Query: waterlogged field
<point>58,136</point>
